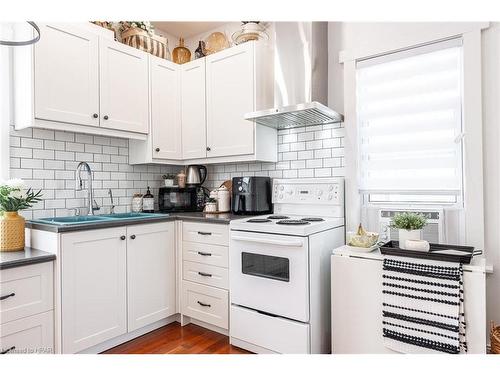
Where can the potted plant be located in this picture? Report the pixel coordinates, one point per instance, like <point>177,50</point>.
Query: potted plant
<point>12,199</point>
<point>410,226</point>
<point>169,179</point>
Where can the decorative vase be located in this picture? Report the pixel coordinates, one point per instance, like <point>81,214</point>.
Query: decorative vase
<point>180,53</point>
<point>408,235</point>
<point>169,182</point>
<point>11,231</point>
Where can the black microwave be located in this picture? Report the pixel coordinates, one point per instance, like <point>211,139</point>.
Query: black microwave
<point>176,199</point>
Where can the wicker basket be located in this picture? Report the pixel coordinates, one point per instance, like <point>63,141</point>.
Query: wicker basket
<point>495,338</point>
<point>140,39</point>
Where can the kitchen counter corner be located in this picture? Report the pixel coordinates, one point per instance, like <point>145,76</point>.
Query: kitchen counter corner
<point>11,259</point>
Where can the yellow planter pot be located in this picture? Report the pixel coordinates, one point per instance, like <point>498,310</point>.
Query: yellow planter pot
<point>11,232</point>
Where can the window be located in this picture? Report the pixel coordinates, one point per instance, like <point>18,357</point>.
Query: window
<point>409,107</point>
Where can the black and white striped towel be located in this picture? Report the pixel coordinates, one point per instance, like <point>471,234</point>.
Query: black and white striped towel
<point>423,306</point>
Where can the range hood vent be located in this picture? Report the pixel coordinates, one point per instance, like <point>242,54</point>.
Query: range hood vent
<point>296,116</point>
<point>300,78</point>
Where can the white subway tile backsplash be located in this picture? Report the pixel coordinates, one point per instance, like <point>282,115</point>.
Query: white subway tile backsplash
<point>47,160</point>
<point>315,151</point>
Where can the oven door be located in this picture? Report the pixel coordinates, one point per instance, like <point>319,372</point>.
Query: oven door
<point>269,273</point>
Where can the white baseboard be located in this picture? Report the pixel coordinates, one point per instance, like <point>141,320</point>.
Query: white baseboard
<point>130,335</point>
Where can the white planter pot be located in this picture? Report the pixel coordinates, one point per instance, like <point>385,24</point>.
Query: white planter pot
<point>408,235</point>
<point>169,183</point>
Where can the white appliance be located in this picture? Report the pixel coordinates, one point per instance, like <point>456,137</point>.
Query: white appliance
<point>433,232</point>
<point>357,303</point>
<point>280,269</point>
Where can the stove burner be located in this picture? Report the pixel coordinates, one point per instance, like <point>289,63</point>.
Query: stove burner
<point>258,221</point>
<point>310,219</point>
<point>292,222</point>
<point>277,217</point>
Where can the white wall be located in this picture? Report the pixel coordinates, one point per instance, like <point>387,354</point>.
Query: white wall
<point>366,36</point>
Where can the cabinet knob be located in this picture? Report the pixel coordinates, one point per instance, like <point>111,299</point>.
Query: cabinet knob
<point>105,117</point>
<point>157,149</point>
<point>208,148</point>
<point>95,115</point>
<point>132,236</point>
<point>122,238</point>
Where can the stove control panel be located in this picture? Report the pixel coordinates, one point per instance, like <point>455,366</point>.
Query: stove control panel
<point>329,192</point>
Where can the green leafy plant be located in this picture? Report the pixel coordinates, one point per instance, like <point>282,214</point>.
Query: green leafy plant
<point>13,199</point>
<point>169,176</point>
<point>409,221</point>
<point>144,25</point>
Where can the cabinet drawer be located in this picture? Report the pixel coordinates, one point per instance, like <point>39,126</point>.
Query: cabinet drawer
<point>215,234</point>
<point>34,334</point>
<point>270,332</point>
<point>205,303</point>
<point>214,255</point>
<point>206,274</point>
<point>27,290</point>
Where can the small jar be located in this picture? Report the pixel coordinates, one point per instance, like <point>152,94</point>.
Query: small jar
<point>137,203</point>
<point>211,207</point>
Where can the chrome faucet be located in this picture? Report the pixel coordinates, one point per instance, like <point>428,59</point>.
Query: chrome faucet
<point>112,207</point>
<point>93,206</point>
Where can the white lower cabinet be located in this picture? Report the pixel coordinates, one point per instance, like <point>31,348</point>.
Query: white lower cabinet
<point>115,281</point>
<point>205,273</point>
<point>94,287</point>
<point>150,273</point>
<point>27,309</point>
<point>31,335</point>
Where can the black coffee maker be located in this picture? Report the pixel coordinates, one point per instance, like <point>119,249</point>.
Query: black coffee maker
<point>251,195</point>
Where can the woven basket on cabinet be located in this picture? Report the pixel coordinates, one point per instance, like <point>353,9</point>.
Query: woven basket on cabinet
<point>495,338</point>
<point>140,39</point>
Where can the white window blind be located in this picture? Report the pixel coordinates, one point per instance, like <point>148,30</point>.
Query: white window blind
<point>409,107</point>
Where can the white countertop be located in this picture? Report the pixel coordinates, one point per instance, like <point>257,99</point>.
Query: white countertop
<point>478,263</point>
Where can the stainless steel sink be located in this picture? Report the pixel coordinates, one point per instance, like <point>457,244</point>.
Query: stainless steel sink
<point>72,219</point>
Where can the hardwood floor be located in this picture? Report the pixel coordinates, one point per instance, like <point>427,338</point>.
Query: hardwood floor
<point>174,339</point>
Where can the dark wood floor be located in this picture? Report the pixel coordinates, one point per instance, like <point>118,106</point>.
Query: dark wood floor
<point>174,339</point>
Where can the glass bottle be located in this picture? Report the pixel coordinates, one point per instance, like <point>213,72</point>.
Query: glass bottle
<point>180,53</point>
<point>148,202</point>
<point>200,51</point>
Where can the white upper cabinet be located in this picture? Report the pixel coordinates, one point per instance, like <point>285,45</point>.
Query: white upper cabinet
<point>151,277</point>
<point>165,109</point>
<point>124,87</point>
<point>230,94</point>
<point>193,110</point>
<point>66,75</point>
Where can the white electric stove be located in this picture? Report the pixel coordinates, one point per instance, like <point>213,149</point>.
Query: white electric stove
<point>280,268</point>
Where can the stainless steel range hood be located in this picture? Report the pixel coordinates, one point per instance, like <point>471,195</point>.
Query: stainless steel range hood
<point>300,78</point>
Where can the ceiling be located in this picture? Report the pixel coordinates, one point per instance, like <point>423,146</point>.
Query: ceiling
<point>186,29</point>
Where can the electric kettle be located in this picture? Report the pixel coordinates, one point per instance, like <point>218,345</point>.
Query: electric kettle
<point>196,174</point>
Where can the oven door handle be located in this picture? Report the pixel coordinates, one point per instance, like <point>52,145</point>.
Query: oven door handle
<point>293,243</point>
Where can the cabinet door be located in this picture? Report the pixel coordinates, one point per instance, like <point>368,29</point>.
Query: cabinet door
<point>193,110</point>
<point>124,87</point>
<point>230,94</point>
<point>151,273</point>
<point>66,86</point>
<point>165,109</point>
<point>94,287</point>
